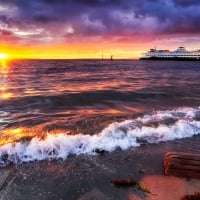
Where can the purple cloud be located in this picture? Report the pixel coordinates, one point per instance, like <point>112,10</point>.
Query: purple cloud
<point>58,20</point>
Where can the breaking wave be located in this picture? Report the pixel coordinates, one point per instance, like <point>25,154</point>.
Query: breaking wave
<point>150,128</point>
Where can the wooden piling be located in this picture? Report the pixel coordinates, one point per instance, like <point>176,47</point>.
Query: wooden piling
<point>182,164</point>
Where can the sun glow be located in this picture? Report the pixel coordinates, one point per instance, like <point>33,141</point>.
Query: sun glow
<point>3,56</point>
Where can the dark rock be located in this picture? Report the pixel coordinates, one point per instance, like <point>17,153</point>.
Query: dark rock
<point>124,182</point>
<point>195,196</point>
<point>100,151</point>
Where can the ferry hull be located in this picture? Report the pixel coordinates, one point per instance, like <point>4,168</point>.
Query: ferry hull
<point>173,58</point>
<point>180,54</point>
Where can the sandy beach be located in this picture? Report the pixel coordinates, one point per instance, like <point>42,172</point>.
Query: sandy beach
<point>88,177</point>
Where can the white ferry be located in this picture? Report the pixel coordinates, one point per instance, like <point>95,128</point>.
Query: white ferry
<point>180,54</point>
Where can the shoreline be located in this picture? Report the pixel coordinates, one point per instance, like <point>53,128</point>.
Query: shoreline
<point>88,177</point>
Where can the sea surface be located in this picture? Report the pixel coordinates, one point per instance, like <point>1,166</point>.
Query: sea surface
<point>51,109</point>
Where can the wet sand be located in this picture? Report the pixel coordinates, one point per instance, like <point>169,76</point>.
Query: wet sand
<point>88,177</point>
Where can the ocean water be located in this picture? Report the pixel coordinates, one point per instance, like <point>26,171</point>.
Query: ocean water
<point>50,109</point>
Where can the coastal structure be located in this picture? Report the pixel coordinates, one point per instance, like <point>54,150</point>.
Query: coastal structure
<point>179,54</point>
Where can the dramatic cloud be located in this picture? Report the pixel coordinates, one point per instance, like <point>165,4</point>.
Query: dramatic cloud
<point>46,21</point>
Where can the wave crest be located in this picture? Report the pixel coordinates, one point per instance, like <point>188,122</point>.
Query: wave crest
<point>152,128</point>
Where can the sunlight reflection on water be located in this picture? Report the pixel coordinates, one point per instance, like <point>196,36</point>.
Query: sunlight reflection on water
<point>85,96</point>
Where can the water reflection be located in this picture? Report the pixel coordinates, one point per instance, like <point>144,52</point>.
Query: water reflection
<point>4,80</point>
<point>12,135</point>
<point>19,134</point>
<point>85,97</point>
<point>3,66</point>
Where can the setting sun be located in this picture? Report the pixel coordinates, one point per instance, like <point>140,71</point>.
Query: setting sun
<point>3,56</point>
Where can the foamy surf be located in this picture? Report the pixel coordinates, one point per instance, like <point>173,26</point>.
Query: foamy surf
<point>151,128</point>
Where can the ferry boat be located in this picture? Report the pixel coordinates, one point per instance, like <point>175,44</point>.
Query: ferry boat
<point>179,54</point>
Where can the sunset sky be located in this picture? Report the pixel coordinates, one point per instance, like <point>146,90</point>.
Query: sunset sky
<point>86,28</point>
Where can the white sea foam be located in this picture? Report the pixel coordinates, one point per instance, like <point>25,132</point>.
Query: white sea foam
<point>152,128</point>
